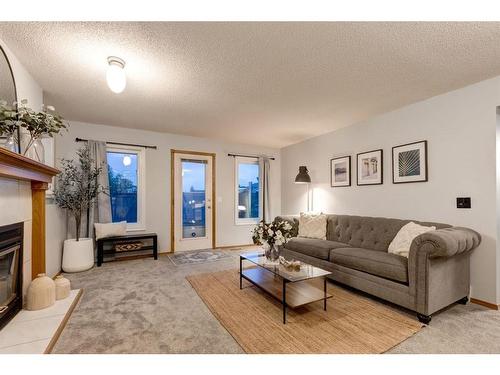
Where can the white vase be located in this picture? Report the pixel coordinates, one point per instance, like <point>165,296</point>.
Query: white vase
<point>63,287</point>
<point>78,255</point>
<point>41,293</point>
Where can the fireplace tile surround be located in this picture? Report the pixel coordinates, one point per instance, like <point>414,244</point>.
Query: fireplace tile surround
<point>15,207</point>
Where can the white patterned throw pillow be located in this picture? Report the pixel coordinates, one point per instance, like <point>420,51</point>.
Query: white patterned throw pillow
<point>400,245</point>
<point>103,230</point>
<point>312,226</point>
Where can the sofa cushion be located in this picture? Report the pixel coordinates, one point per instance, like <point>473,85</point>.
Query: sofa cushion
<point>378,263</point>
<point>313,247</point>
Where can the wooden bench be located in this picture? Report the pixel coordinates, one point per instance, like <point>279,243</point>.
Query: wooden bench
<point>129,240</point>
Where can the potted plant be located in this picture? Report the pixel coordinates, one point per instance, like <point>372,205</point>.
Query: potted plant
<point>76,189</point>
<point>34,126</point>
<point>38,125</point>
<point>272,236</point>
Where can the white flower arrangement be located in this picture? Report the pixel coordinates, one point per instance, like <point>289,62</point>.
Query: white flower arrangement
<point>276,233</point>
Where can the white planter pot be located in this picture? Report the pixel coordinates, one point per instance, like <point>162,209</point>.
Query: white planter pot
<point>78,255</point>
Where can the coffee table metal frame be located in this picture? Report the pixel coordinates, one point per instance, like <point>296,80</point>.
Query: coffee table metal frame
<point>284,284</point>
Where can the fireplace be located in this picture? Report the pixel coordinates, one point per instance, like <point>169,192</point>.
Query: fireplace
<point>11,271</point>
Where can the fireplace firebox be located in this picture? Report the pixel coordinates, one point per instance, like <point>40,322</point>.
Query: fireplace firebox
<point>11,271</point>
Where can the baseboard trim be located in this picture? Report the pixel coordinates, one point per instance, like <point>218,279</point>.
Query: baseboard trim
<point>484,303</point>
<point>59,330</point>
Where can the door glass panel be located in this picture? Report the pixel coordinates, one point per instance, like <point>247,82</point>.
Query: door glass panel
<point>248,191</point>
<point>193,198</point>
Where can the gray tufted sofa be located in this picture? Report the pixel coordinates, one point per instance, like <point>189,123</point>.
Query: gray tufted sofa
<point>435,275</point>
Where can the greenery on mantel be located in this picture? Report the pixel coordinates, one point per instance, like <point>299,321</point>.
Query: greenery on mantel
<point>77,185</point>
<point>9,121</point>
<point>45,123</point>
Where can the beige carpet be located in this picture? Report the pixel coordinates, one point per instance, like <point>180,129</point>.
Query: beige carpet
<point>351,324</point>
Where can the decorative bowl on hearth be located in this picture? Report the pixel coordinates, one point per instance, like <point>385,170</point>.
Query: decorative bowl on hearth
<point>41,293</point>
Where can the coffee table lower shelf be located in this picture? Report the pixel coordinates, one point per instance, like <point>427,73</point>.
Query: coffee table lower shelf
<point>296,294</point>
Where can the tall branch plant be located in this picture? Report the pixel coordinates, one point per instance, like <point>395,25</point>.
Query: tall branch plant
<point>77,186</point>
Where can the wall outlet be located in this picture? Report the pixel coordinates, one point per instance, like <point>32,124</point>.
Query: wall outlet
<point>463,202</point>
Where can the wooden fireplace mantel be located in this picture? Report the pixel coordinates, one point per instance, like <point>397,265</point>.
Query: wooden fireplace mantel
<point>18,167</point>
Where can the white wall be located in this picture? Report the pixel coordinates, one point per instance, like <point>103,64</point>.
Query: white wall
<point>498,200</point>
<point>460,129</point>
<point>55,229</point>
<point>26,86</point>
<point>158,175</point>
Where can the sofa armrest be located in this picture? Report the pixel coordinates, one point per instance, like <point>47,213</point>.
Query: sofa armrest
<point>438,267</point>
<point>446,242</point>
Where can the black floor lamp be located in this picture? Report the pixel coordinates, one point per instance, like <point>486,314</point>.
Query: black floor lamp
<point>304,178</point>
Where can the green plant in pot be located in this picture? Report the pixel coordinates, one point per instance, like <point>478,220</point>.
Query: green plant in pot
<point>77,187</point>
<point>33,126</point>
<point>37,125</point>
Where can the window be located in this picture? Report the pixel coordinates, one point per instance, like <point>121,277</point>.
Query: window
<point>247,194</point>
<point>127,186</point>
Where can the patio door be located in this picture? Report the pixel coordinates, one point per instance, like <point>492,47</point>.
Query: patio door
<point>193,190</point>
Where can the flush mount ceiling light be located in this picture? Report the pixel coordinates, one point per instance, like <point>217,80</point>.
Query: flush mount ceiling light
<point>115,76</point>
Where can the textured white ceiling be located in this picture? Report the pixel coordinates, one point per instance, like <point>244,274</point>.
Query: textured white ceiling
<point>269,84</point>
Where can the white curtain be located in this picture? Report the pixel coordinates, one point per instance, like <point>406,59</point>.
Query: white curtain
<point>101,210</point>
<point>265,167</point>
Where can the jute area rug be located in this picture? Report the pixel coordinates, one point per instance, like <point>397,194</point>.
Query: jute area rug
<point>352,323</point>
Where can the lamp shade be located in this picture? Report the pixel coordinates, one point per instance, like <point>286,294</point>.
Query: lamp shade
<point>303,176</point>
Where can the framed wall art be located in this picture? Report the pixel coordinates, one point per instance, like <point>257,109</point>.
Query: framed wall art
<point>340,171</point>
<point>370,168</point>
<point>409,163</point>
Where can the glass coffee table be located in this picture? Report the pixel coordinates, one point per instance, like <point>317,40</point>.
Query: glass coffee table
<point>292,288</point>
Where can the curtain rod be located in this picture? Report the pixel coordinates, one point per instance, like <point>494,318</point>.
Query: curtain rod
<point>249,156</point>
<point>118,143</point>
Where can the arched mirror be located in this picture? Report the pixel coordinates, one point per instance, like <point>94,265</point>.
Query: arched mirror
<point>7,88</point>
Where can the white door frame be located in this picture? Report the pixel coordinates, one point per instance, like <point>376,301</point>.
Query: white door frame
<point>173,206</point>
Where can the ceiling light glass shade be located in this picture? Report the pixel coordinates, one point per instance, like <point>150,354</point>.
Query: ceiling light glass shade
<point>115,76</point>
<point>303,176</point>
